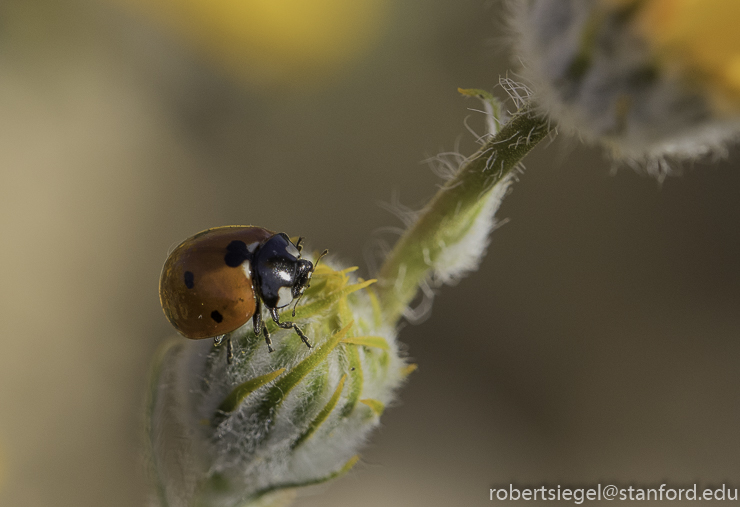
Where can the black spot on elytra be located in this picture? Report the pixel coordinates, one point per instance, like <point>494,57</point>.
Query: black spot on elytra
<point>189,279</point>
<point>236,253</point>
<point>215,315</point>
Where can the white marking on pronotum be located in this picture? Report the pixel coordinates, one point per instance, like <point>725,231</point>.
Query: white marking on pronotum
<point>253,246</point>
<point>247,267</point>
<point>292,250</point>
<point>285,296</point>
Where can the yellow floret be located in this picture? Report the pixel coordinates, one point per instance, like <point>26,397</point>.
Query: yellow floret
<point>285,43</point>
<point>701,40</point>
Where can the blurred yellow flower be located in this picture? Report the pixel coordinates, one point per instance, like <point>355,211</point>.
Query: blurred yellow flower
<point>283,43</point>
<point>701,40</point>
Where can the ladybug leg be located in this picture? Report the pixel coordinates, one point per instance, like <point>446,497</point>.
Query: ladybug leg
<point>288,325</point>
<point>260,326</point>
<point>229,348</point>
<point>257,319</point>
<point>267,339</point>
<point>298,244</point>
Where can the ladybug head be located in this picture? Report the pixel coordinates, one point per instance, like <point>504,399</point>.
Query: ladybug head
<point>303,277</point>
<point>303,272</point>
<point>280,275</point>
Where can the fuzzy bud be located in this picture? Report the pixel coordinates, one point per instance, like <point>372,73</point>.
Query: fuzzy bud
<point>652,80</point>
<point>249,433</point>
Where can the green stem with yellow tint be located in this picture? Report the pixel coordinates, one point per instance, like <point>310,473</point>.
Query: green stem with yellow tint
<point>450,214</point>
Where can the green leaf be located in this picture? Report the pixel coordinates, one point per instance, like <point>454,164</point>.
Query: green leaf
<point>321,417</point>
<point>346,468</point>
<point>236,397</point>
<point>356,380</point>
<point>377,342</point>
<point>477,93</point>
<point>282,387</point>
<point>409,369</point>
<point>326,302</point>
<point>376,406</point>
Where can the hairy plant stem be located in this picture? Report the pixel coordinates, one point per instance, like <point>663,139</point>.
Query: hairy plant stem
<point>447,217</point>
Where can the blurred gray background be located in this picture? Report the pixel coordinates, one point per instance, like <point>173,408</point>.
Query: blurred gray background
<point>598,341</point>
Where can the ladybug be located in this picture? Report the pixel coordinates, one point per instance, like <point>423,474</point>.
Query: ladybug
<point>215,281</point>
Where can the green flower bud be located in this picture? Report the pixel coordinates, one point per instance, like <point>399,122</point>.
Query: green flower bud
<point>250,432</point>
<point>253,431</point>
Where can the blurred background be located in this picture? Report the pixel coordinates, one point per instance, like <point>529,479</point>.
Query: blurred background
<point>598,342</point>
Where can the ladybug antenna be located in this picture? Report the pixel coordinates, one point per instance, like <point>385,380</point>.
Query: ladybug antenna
<point>319,259</point>
<point>307,286</point>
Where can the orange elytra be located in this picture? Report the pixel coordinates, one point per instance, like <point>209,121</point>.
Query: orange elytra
<point>218,279</point>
